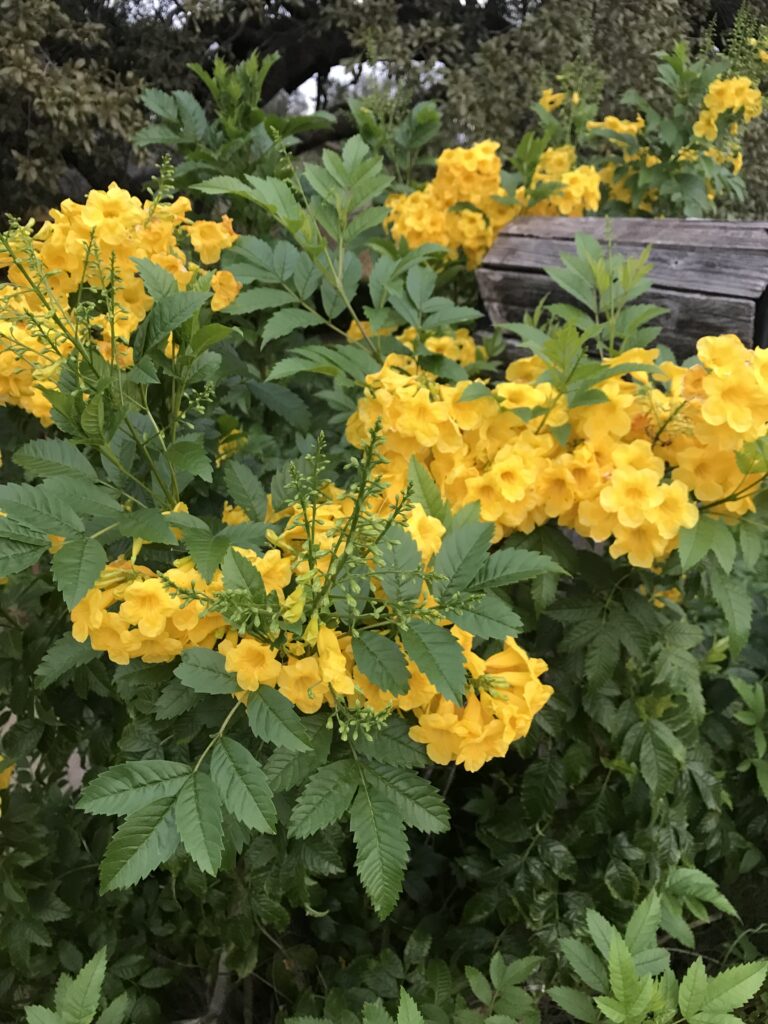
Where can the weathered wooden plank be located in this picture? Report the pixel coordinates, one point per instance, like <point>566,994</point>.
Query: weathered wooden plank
<point>508,295</point>
<point>714,234</point>
<point>740,273</point>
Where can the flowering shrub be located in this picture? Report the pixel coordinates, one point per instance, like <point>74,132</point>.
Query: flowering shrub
<point>262,645</point>
<point>649,164</point>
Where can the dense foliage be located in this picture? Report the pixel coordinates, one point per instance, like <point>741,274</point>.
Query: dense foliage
<point>350,670</point>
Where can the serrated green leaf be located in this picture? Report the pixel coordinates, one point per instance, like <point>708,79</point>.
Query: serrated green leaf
<point>80,1001</point>
<point>586,964</point>
<point>645,922</point>
<point>381,661</point>
<point>382,849</point>
<point>324,799</point>
<point>251,300</point>
<point>116,1012</point>
<point>76,567</point>
<point>733,987</point>
<point>245,489</point>
<point>38,509</point>
<point>285,321</point>
<point>243,785</point>
<point>408,1012</point>
<point>206,550</point>
<point>64,655</point>
<point>125,788</point>
<point>460,557</point>
<point>199,821</point>
<point>204,671</point>
<point>420,805</point>
<point>439,656</point>
<point>187,454</point>
<point>41,1015</point>
<point>149,524</point>
<point>171,311</point>
<point>19,547</point>
<point>693,989</point>
<point>426,492</point>
<point>479,984</point>
<point>145,840</point>
<point>53,457</point>
<point>578,1004</point>
<point>489,617</point>
<point>513,565</point>
<point>272,718</point>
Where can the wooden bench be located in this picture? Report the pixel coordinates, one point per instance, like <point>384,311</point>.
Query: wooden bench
<point>712,276</point>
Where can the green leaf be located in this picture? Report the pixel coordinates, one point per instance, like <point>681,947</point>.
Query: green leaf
<point>382,849</point>
<point>382,661</point>
<point>149,524</point>
<point>461,554</point>
<point>347,361</point>
<point>38,509</point>
<point>251,300</point>
<point>158,281</point>
<point>19,547</point>
<point>439,656</point>
<point>400,563</point>
<point>645,922</point>
<point>425,491</point>
<point>170,312</point>
<point>734,987</point>
<point>272,718</point>
<point>240,574</point>
<point>116,1012</point>
<point>479,984</point>
<point>52,457</point>
<point>392,745</point>
<point>578,1004</point>
<point>408,1012</point>
<point>420,805</point>
<point>627,987</point>
<point>145,840</point>
<point>188,455</point>
<point>243,785</point>
<point>658,764</point>
<point>586,964</point>
<point>125,788</point>
<point>41,1015</point>
<point>81,999</point>
<point>709,534</point>
<point>76,567</point>
<point>206,550</point>
<point>64,655</point>
<point>324,799</point>
<point>285,321</point>
<point>284,402</point>
<point>199,821</point>
<point>205,671</point>
<point>513,565</point>
<point>245,489</point>
<point>490,617</point>
<point>733,597</point>
<point>693,989</point>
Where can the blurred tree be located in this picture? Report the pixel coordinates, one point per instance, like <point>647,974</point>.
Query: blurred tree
<point>71,70</point>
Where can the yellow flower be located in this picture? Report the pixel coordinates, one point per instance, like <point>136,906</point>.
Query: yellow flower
<point>293,608</point>
<point>552,100</point>
<point>225,287</point>
<point>426,530</point>
<point>332,662</point>
<point>300,682</point>
<point>233,515</point>
<point>253,662</point>
<point>6,775</point>
<point>147,605</point>
<point>210,237</point>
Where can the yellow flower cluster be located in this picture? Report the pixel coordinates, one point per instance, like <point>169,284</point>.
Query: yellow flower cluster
<point>92,245</point>
<point>633,468</point>
<point>133,612</point>
<point>462,208</point>
<point>737,95</point>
